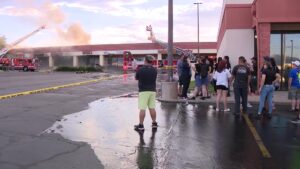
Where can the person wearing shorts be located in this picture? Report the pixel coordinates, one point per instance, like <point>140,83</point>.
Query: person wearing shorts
<point>294,89</point>
<point>294,96</point>
<point>293,85</point>
<point>146,77</point>
<point>202,69</point>
<point>222,76</point>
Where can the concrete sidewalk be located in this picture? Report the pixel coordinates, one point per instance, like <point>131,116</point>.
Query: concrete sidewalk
<point>282,104</point>
<point>280,98</point>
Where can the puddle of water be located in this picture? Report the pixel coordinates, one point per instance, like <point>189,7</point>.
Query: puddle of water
<point>107,125</point>
<point>188,136</point>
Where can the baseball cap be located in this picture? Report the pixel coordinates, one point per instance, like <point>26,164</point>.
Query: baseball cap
<point>297,63</point>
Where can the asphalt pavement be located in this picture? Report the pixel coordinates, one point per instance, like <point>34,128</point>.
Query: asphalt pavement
<point>23,119</point>
<point>89,127</point>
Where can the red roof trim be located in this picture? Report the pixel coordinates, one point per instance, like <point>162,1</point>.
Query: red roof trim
<point>111,47</point>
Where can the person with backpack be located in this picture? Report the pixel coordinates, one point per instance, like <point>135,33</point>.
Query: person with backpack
<point>268,79</point>
<point>202,70</point>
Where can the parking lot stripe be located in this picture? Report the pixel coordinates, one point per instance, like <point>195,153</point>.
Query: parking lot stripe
<point>259,142</point>
<point>8,96</point>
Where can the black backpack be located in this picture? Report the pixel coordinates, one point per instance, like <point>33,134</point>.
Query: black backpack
<point>204,68</point>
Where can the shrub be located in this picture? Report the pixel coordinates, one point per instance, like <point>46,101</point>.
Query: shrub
<point>79,69</point>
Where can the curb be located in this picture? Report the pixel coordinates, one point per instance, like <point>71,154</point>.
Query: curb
<point>211,101</point>
<point>282,110</point>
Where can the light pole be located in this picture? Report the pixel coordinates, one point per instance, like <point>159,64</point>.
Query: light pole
<point>292,49</point>
<point>170,41</point>
<point>198,3</point>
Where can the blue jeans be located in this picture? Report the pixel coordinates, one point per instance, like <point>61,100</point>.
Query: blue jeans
<point>266,94</point>
<point>240,92</point>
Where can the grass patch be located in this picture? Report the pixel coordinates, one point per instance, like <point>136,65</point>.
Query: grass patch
<point>193,84</point>
<point>79,69</point>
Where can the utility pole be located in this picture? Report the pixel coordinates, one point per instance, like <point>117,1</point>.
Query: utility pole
<point>170,41</point>
<point>198,3</point>
<point>292,49</point>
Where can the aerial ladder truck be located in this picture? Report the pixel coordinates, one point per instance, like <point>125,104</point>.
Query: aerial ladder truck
<point>163,44</point>
<point>5,61</point>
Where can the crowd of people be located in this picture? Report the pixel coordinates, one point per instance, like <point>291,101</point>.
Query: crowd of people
<point>243,78</point>
<point>220,75</point>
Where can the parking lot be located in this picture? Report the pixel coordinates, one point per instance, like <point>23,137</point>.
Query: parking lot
<point>88,126</point>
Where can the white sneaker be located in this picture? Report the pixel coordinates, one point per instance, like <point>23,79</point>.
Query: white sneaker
<point>217,109</point>
<point>296,121</point>
<point>227,110</point>
<point>249,105</point>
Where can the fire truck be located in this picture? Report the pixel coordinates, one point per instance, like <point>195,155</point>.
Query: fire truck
<point>4,61</point>
<point>19,63</point>
<point>25,64</point>
<point>131,63</point>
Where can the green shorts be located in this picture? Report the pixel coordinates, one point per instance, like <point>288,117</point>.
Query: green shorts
<point>147,99</point>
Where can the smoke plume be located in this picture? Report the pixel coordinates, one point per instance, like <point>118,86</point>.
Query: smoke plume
<point>74,34</point>
<point>51,15</point>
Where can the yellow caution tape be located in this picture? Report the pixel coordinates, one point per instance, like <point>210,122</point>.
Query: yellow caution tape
<point>7,96</point>
<point>169,67</point>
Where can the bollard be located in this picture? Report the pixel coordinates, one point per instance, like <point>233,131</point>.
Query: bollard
<point>169,90</point>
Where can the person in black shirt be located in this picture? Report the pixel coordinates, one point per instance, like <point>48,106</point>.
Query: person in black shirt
<point>185,76</point>
<point>241,77</point>
<point>146,77</point>
<point>202,73</point>
<point>268,79</point>
<point>253,83</point>
<point>228,67</point>
<point>276,69</point>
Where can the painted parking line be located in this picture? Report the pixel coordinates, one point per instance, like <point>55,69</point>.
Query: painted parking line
<point>8,96</point>
<point>259,142</point>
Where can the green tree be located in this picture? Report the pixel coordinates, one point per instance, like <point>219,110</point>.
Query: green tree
<point>2,42</point>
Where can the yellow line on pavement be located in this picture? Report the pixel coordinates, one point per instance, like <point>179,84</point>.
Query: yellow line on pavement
<point>7,96</point>
<point>259,142</point>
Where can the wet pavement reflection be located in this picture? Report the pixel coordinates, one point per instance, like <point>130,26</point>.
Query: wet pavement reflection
<point>188,136</point>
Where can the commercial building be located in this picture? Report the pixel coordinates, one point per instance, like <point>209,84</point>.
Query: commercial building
<point>261,28</point>
<point>108,54</point>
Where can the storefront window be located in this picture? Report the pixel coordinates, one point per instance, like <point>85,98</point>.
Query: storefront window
<point>285,48</point>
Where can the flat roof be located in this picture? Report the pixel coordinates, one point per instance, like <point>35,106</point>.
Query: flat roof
<point>112,47</point>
